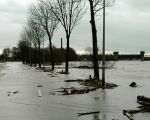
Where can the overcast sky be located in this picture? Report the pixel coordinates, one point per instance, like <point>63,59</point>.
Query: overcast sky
<point>127,26</point>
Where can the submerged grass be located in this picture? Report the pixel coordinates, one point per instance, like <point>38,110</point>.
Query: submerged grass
<point>98,84</point>
<point>92,83</point>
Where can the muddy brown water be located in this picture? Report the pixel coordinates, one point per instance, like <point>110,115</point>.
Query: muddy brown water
<point>26,105</point>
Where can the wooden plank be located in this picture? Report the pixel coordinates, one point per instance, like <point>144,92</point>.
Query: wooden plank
<point>128,115</point>
<point>143,98</point>
<point>144,104</point>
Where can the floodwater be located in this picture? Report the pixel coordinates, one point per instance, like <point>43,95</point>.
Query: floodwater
<point>25,104</point>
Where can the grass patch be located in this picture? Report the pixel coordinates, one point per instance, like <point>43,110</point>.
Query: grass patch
<point>98,84</point>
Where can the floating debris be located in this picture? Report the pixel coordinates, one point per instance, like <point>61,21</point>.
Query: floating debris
<point>39,85</point>
<point>39,93</point>
<point>133,84</point>
<point>8,93</point>
<point>15,92</point>
<point>72,91</point>
<point>145,107</point>
<point>11,93</point>
<point>78,80</point>
<point>89,86</point>
<point>126,113</point>
<point>87,113</point>
<point>53,76</point>
<point>52,93</point>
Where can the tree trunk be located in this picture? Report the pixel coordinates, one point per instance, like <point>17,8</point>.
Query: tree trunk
<point>51,51</point>
<point>35,57</point>
<point>23,56</point>
<point>67,54</point>
<point>27,56</point>
<point>30,54</point>
<point>39,57</point>
<point>94,37</point>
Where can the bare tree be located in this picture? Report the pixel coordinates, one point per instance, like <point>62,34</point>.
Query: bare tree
<point>6,53</point>
<point>68,12</point>
<point>42,16</point>
<point>29,37</point>
<point>34,41</point>
<point>95,7</point>
<point>38,34</point>
<point>98,4</point>
<point>24,45</point>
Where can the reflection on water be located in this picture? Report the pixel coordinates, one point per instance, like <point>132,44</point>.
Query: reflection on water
<point>1,68</point>
<point>96,117</point>
<point>98,99</point>
<point>111,103</point>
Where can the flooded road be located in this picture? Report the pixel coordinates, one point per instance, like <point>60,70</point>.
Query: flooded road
<point>20,101</point>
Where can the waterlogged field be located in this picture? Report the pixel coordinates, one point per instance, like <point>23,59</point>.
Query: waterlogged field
<point>26,105</point>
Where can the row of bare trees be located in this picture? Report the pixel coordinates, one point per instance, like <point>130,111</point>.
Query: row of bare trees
<point>46,15</point>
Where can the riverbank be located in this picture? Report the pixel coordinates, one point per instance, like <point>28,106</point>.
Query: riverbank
<point>25,104</point>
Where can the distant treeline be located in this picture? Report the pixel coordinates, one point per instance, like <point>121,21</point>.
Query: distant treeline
<point>32,56</point>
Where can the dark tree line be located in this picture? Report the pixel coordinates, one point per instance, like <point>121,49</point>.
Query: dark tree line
<point>24,51</point>
<point>42,55</point>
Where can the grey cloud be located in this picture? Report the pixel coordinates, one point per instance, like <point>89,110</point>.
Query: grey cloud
<point>139,5</point>
<point>12,6</point>
<point>13,18</point>
<point>127,26</point>
<point>13,12</point>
